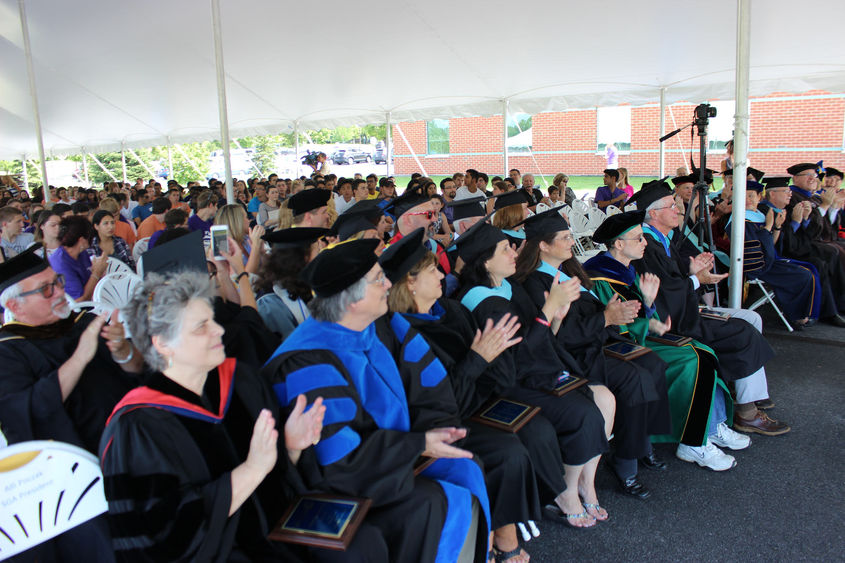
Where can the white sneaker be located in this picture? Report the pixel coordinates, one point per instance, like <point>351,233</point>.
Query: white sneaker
<point>706,456</point>
<point>727,438</point>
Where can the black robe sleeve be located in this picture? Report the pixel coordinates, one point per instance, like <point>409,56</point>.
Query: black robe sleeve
<point>356,457</point>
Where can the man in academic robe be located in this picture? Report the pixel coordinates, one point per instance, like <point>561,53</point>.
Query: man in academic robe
<point>795,283</point>
<point>801,239</point>
<point>62,375</point>
<point>742,350</point>
<point>388,402</point>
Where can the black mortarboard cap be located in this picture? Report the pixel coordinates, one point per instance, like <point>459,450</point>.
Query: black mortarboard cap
<point>513,197</point>
<point>411,198</point>
<point>541,224</point>
<point>480,237</point>
<point>466,208</point>
<point>688,179</point>
<point>185,253</point>
<point>708,175</point>
<point>347,225</point>
<point>615,225</point>
<point>756,174</point>
<point>801,167</point>
<point>398,259</point>
<point>308,200</point>
<point>777,182</point>
<point>20,267</point>
<point>834,172</point>
<point>296,236</point>
<point>754,186</point>
<point>649,193</point>
<point>339,266</point>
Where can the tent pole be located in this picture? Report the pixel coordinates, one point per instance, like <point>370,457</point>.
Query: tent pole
<point>743,52</point>
<point>221,98</point>
<point>296,146</point>
<point>388,151</point>
<point>100,164</point>
<point>410,148</point>
<point>171,174</point>
<point>33,93</point>
<point>123,160</point>
<point>189,161</point>
<point>505,108</point>
<point>662,165</point>
<point>25,173</point>
<point>138,158</point>
<point>85,167</point>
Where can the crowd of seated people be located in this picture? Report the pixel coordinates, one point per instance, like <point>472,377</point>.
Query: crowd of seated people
<point>346,340</point>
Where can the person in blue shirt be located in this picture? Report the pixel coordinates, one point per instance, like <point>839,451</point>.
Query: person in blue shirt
<point>143,210</point>
<point>260,196</point>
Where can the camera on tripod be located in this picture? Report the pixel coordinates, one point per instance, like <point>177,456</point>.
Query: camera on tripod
<point>310,158</point>
<point>703,111</point>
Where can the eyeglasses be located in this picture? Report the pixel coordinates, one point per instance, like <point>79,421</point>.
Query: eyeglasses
<point>379,279</point>
<point>673,206</point>
<point>639,238</point>
<point>47,289</point>
<point>809,174</point>
<point>428,214</point>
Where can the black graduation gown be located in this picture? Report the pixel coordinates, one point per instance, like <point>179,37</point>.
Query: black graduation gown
<point>639,385</point>
<point>246,336</point>
<point>31,406</point>
<point>794,285</point>
<point>538,361</point>
<point>360,453</point>
<point>804,243</point>
<point>740,348</point>
<point>167,476</point>
<point>513,490</point>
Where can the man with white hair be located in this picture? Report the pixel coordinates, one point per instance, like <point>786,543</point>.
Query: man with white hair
<point>742,350</point>
<point>62,373</point>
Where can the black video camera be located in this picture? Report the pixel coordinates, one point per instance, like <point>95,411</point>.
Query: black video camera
<point>703,111</point>
<point>310,159</point>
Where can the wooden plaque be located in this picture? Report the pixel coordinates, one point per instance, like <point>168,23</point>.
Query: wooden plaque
<point>625,350</point>
<point>566,382</point>
<point>715,315</point>
<point>505,414</point>
<point>670,339</point>
<point>321,520</point>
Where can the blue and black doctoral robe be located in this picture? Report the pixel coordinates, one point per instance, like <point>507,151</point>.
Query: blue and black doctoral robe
<point>796,284</point>
<point>374,432</point>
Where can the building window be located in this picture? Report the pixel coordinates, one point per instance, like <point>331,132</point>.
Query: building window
<point>613,126</point>
<point>438,136</point>
<point>720,129</point>
<point>519,133</point>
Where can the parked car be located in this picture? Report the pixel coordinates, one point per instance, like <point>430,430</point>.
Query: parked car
<point>380,156</point>
<point>351,156</point>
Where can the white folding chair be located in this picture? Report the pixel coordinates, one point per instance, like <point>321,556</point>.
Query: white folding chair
<point>115,266</point>
<point>140,247</point>
<point>769,297</point>
<point>41,478</point>
<point>612,210</point>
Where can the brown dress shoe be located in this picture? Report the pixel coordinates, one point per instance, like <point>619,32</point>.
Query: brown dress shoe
<point>761,424</point>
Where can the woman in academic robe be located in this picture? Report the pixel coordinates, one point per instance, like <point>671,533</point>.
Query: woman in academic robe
<point>511,210</point>
<point>469,355</point>
<point>639,385</point>
<point>582,418</point>
<point>794,283</point>
<point>283,304</point>
<point>698,398</point>
<point>192,462</point>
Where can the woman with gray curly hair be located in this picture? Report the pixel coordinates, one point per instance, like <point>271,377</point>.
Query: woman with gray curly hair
<point>192,463</point>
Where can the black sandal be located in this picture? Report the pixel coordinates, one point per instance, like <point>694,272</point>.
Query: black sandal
<point>502,556</point>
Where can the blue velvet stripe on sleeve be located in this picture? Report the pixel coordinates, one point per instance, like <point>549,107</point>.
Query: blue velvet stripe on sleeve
<point>415,349</point>
<point>433,374</point>
<point>337,446</point>
<point>339,410</point>
<point>310,378</point>
<point>400,326</point>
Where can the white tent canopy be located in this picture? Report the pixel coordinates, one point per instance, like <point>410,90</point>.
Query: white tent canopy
<point>137,74</point>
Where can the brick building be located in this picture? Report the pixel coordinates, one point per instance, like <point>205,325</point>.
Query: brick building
<point>784,129</point>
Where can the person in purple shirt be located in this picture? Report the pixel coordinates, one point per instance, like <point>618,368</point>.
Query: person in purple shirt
<point>206,208</point>
<point>610,193</point>
<point>80,271</point>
